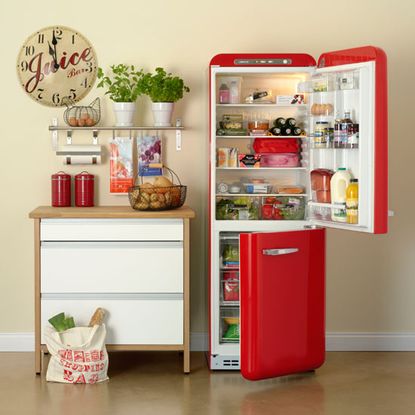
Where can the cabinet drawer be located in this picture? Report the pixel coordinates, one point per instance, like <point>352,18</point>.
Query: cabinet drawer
<point>104,267</point>
<point>131,319</point>
<point>111,230</point>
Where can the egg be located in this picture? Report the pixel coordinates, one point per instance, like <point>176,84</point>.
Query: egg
<point>84,116</point>
<point>72,122</point>
<point>90,122</point>
<point>81,123</point>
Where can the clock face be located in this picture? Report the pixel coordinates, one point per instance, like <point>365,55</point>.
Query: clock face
<point>57,62</point>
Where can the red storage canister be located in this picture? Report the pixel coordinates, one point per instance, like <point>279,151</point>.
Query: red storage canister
<point>84,189</point>
<point>61,189</point>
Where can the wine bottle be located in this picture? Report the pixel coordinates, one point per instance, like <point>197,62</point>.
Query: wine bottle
<point>275,131</point>
<point>279,122</point>
<point>287,131</point>
<point>296,131</point>
<point>290,122</point>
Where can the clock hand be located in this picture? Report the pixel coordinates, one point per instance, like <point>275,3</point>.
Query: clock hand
<point>51,52</point>
<point>54,43</point>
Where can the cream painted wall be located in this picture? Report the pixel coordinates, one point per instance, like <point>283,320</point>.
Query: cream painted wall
<point>370,282</point>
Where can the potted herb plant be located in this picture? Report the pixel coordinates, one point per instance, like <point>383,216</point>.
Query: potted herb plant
<point>164,90</point>
<point>122,88</point>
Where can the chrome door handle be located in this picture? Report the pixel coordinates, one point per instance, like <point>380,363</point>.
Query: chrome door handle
<point>280,251</point>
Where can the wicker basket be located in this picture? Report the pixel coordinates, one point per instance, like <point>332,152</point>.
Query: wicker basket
<point>157,198</point>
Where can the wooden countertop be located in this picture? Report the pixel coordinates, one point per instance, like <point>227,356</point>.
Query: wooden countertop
<point>108,212</point>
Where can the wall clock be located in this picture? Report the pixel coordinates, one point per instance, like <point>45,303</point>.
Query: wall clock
<point>57,62</point>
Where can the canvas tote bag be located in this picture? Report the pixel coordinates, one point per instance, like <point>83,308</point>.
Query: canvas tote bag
<point>78,355</point>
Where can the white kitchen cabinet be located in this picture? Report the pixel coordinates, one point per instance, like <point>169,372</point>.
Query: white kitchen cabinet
<point>133,264</point>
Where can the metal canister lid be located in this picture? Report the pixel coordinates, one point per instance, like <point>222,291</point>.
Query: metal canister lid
<point>61,175</point>
<point>84,175</point>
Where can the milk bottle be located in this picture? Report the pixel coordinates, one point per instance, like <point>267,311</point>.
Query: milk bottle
<point>338,185</point>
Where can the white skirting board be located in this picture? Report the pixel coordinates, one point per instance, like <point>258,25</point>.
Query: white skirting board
<point>335,342</point>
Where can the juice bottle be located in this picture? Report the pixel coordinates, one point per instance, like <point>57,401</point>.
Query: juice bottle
<point>352,202</point>
<point>338,185</point>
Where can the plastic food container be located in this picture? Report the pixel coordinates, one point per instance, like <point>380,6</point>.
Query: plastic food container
<point>257,188</point>
<point>283,208</point>
<point>290,189</point>
<point>258,125</point>
<point>280,160</point>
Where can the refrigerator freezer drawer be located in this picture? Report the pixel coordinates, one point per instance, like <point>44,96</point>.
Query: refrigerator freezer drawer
<point>118,267</point>
<point>111,230</point>
<point>130,319</point>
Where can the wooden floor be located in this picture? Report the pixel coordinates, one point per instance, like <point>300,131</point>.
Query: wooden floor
<point>152,383</point>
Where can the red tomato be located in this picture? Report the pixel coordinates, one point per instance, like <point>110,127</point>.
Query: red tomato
<point>267,211</point>
<point>276,214</point>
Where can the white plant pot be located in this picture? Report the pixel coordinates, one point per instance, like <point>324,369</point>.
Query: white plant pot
<point>124,113</point>
<point>162,113</point>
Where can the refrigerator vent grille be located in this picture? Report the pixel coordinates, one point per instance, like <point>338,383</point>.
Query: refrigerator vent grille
<point>229,362</point>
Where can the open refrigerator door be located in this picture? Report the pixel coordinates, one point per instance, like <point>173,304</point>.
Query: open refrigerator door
<point>348,141</point>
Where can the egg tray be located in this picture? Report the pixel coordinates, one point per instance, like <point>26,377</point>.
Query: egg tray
<point>82,115</point>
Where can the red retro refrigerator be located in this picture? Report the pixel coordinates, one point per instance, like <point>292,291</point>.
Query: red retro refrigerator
<point>266,243</point>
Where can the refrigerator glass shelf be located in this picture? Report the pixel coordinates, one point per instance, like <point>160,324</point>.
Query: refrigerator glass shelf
<point>333,148</point>
<point>229,303</point>
<point>331,91</point>
<point>261,194</point>
<point>225,340</point>
<point>325,205</point>
<point>260,168</point>
<point>299,106</point>
<point>321,116</point>
<point>261,136</point>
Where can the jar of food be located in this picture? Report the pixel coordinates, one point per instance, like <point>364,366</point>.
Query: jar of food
<point>61,189</point>
<point>84,189</point>
<point>222,155</point>
<point>261,124</point>
<point>321,134</point>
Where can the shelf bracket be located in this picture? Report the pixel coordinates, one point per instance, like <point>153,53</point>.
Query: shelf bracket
<point>69,137</point>
<point>55,135</point>
<point>178,135</point>
<point>95,137</point>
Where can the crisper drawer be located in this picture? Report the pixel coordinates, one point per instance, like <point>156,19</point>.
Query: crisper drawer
<point>130,319</point>
<point>105,267</point>
<point>111,230</point>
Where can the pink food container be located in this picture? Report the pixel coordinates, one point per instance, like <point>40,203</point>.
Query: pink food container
<point>280,160</point>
